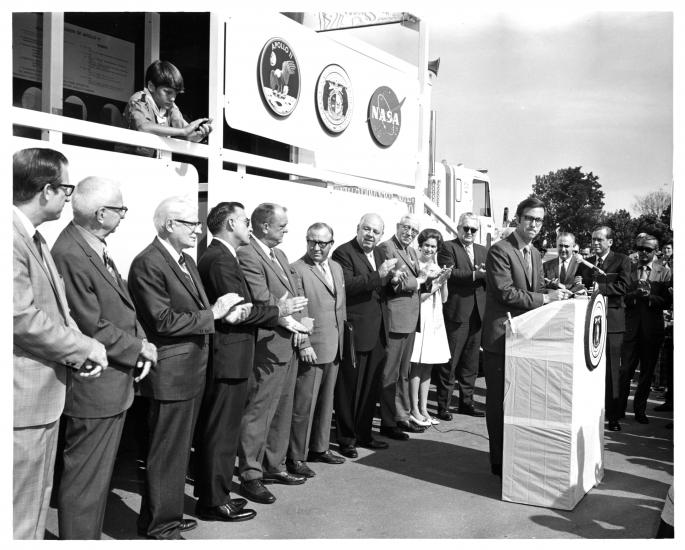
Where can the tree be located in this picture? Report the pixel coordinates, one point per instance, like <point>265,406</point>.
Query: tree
<point>624,229</point>
<point>652,204</point>
<point>573,202</point>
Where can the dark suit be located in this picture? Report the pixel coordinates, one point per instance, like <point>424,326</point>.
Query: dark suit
<point>227,376</point>
<point>265,428</point>
<point>95,408</point>
<point>46,345</point>
<point>177,318</point>
<point>644,333</point>
<point>463,312</point>
<point>402,305</point>
<point>508,290</point>
<point>356,390</point>
<point>613,286</point>
<point>551,271</point>
<point>314,388</point>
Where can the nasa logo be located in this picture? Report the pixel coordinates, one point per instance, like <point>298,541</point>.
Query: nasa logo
<point>279,77</point>
<point>595,330</point>
<point>385,116</point>
<point>334,100</point>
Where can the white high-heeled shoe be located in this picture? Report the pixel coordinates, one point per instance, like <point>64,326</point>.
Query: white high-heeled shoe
<point>420,422</point>
<point>433,421</point>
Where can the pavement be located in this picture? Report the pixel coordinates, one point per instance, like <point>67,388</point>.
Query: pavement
<point>436,485</point>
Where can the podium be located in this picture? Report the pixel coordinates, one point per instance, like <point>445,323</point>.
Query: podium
<point>553,449</point>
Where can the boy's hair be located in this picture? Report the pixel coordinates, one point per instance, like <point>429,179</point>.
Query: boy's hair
<point>163,73</point>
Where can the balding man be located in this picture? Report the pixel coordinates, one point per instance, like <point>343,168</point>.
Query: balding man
<point>402,305</point>
<point>356,389</point>
<point>178,318</point>
<point>100,304</point>
<point>47,342</point>
<point>561,271</point>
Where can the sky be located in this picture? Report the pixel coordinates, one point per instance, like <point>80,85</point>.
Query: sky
<point>523,93</point>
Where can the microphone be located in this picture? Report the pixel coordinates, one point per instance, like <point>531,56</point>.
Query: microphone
<point>583,261</point>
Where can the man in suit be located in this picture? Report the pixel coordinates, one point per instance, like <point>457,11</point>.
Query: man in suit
<point>402,306</point>
<point>646,299</point>
<point>265,428</point>
<point>47,342</point>
<point>356,389</point>
<point>324,286</point>
<point>514,284</point>
<point>463,312</point>
<point>95,409</point>
<point>613,285</point>
<point>561,271</point>
<point>178,318</point>
<point>230,364</point>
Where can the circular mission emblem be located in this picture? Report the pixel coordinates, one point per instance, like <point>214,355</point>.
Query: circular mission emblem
<point>385,116</point>
<point>279,77</point>
<point>595,330</point>
<point>334,99</point>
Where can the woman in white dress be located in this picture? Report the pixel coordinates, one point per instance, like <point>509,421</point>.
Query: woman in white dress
<point>430,345</point>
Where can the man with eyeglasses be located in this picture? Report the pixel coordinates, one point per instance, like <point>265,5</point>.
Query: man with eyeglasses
<point>47,342</point>
<point>178,318</point>
<point>402,307</point>
<point>95,410</point>
<point>324,286</point>
<point>463,312</point>
<point>646,299</point>
<point>515,284</point>
<point>561,271</point>
<point>613,283</point>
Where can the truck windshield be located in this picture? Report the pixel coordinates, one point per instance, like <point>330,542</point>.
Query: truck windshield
<point>481,198</point>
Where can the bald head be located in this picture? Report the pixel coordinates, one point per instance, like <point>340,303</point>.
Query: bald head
<point>97,204</point>
<point>369,231</point>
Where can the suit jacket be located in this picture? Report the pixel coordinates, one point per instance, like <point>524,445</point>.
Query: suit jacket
<point>176,317</point>
<point>509,289</point>
<point>402,303</point>
<point>326,305</point>
<point>46,338</point>
<point>646,313</point>
<point>362,293</point>
<point>463,293</point>
<point>103,309</point>
<point>232,345</point>
<point>613,286</point>
<point>268,284</point>
<point>551,271</point>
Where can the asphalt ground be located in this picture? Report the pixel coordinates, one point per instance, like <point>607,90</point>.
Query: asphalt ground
<point>436,485</point>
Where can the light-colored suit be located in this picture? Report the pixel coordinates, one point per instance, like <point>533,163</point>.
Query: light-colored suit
<point>315,385</point>
<point>402,305</point>
<point>46,342</point>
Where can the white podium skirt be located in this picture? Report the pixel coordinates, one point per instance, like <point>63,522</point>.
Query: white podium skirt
<point>553,409</point>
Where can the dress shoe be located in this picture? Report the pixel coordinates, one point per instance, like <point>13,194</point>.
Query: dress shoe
<point>394,433</point>
<point>444,415</point>
<point>419,421</point>
<point>409,426</point>
<point>350,451</point>
<point>225,512</point>
<point>664,407</point>
<point>254,490</point>
<point>496,469</point>
<point>641,418</point>
<point>284,478</point>
<point>238,503</point>
<point>430,419</point>
<point>373,444</point>
<point>614,426</point>
<point>326,456</point>
<point>471,411</point>
<point>300,468</point>
<point>187,524</point>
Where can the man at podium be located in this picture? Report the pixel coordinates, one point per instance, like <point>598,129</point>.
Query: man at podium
<point>514,284</point>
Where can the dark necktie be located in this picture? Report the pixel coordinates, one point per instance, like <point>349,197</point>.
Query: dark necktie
<point>527,262</point>
<point>38,241</point>
<point>186,272</point>
<point>562,273</point>
<point>600,263</point>
<point>109,264</point>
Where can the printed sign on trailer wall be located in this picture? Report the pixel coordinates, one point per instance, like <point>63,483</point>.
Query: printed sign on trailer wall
<point>334,99</point>
<point>279,77</point>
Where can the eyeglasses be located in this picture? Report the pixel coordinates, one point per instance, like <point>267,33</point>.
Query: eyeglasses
<point>409,229</point>
<point>531,219</point>
<point>192,225</point>
<point>322,244</point>
<point>564,246</point>
<point>121,210</point>
<point>68,189</point>
<point>644,249</point>
<point>470,229</point>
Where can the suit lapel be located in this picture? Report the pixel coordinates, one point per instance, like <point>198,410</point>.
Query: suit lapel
<point>512,240</point>
<point>461,249</point>
<point>235,266</point>
<point>406,256</point>
<point>362,255</point>
<point>283,276</point>
<point>317,272</point>
<point>180,275</point>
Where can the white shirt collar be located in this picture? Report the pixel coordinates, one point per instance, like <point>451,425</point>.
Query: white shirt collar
<point>227,245</point>
<point>175,255</point>
<point>25,222</point>
<point>520,242</point>
<point>264,247</point>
